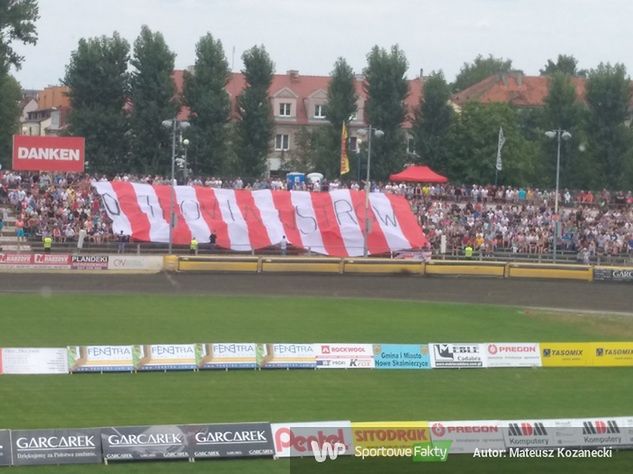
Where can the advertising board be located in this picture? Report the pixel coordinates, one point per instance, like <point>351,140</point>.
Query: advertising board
<point>101,358</point>
<point>401,356</point>
<point>63,446</point>
<point>5,448</point>
<point>49,153</point>
<point>390,434</point>
<point>612,354</point>
<point>37,261</point>
<point>468,436</point>
<point>230,440</point>
<point>295,439</point>
<point>166,357</point>
<point>456,356</point>
<point>89,262</point>
<point>613,274</point>
<point>33,360</point>
<point>286,356</point>
<point>528,434</point>
<point>132,262</point>
<point>591,432</point>
<point>566,354</point>
<point>140,443</point>
<point>344,356</point>
<point>512,354</point>
<point>237,355</point>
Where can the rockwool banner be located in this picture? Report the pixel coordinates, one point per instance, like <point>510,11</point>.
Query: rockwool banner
<point>48,153</point>
<point>295,439</point>
<point>231,440</point>
<point>286,356</point>
<point>456,356</point>
<point>167,357</point>
<point>344,356</point>
<point>65,446</point>
<point>401,356</point>
<point>512,354</point>
<point>390,434</point>
<point>5,448</point>
<point>33,360</point>
<point>468,436</point>
<point>102,358</point>
<point>237,355</point>
<point>139,443</point>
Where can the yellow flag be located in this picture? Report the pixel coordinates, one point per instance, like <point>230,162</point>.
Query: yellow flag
<point>344,157</point>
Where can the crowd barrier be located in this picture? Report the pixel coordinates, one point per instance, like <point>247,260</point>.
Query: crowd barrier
<point>417,440</point>
<point>394,266</point>
<point>254,356</point>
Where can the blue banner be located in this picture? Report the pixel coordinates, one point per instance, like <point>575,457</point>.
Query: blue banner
<point>401,356</point>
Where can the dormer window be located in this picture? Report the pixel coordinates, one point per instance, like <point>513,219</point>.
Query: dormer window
<point>319,111</point>
<point>284,109</point>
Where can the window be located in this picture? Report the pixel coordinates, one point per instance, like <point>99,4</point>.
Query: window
<point>353,144</point>
<point>284,109</point>
<point>319,111</point>
<point>281,142</point>
<point>353,117</point>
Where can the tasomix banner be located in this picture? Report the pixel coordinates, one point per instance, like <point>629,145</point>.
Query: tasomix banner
<point>48,153</point>
<point>67,446</point>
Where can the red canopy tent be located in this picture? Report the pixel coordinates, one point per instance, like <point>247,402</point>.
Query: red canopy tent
<point>418,174</point>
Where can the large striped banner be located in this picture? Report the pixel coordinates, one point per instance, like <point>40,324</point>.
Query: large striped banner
<point>329,223</point>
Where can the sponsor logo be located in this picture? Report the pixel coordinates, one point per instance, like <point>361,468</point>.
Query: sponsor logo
<point>623,274</point>
<point>438,429</point>
<point>90,259</point>
<point>562,352</point>
<point>13,258</point>
<point>285,438</point>
<point>326,349</point>
<point>233,348</point>
<point>172,350</point>
<point>281,349</point>
<point>231,437</point>
<point>146,439</point>
<point>55,154</point>
<point>326,450</point>
<point>390,434</point>
<point>448,352</point>
<point>600,351</point>
<point>50,259</point>
<point>600,427</point>
<point>55,442</point>
<point>109,351</point>
<point>492,349</point>
<point>527,429</point>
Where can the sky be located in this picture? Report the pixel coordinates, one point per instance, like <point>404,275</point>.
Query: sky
<point>309,35</point>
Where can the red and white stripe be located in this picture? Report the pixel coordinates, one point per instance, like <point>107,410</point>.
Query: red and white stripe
<point>327,223</point>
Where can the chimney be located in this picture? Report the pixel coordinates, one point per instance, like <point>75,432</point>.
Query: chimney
<point>293,74</point>
<point>421,73</point>
<point>359,77</point>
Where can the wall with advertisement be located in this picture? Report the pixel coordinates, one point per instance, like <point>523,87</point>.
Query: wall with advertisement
<point>293,439</point>
<point>468,436</point>
<point>456,356</point>
<point>344,356</point>
<point>402,356</point>
<point>84,262</point>
<point>101,358</point>
<point>390,434</point>
<point>512,354</point>
<point>612,354</point>
<point>566,354</point>
<point>235,355</point>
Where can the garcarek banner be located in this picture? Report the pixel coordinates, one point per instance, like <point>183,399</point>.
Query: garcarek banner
<point>133,443</point>
<point>5,448</point>
<point>66,154</point>
<point>329,223</point>
<point>230,440</point>
<point>63,446</point>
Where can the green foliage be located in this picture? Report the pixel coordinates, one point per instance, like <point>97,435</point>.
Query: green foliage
<point>433,120</point>
<point>10,95</point>
<point>386,88</point>
<point>480,69</point>
<point>608,93</point>
<point>255,128</point>
<point>565,65</point>
<point>474,141</point>
<point>316,150</point>
<point>341,95</point>
<point>17,23</point>
<point>98,81</point>
<point>152,93</point>
<point>206,96</point>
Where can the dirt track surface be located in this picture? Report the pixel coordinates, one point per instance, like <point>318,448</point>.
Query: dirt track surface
<point>608,297</point>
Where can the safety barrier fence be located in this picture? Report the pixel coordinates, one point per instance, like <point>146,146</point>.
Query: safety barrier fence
<point>248,264</point>
<point>256,356</point>
<point>319,440</point>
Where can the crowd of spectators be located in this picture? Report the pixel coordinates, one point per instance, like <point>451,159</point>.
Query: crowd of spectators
<point>487,218</point>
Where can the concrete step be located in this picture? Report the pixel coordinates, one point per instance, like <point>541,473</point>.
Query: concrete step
<point>8,239</point>
<point>8,230</point>
<point>15,248</point>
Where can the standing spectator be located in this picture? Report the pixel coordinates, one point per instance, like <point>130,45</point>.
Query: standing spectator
<point>283,245</point>
<point>121,239</point>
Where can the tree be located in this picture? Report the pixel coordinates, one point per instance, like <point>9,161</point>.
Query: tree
<point>206,96</point>
<point>474,147</point>
<point>608,94</point>
<point>563,110</point>
<point>17,23</point>
<point>255,127</point>
<point>152,93</point>
<point>564,64</point>
<point>433,120</point>
<point>480,69</point>
<point>386,88</point>
<point>98,81</point>
<point>10,95</point>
